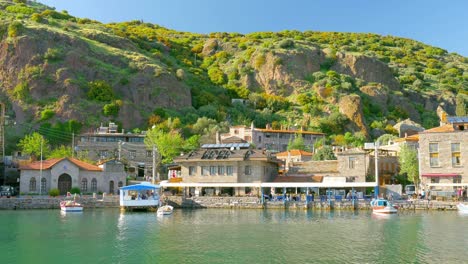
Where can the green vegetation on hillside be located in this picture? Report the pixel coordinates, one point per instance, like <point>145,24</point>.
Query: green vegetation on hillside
<point>183,81</point>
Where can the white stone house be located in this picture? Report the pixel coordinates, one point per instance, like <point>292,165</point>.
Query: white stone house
<point>67,173</point>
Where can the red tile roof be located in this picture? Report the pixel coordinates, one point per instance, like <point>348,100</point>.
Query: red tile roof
<point>290,131</point>
<point>294,152</point>
<point>48,164</point>
<point>441,129</point>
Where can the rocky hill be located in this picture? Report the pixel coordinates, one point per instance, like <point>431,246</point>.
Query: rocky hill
<point>57,68</point>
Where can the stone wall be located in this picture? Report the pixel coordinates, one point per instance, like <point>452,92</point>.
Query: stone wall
<point>54,203</point>
<point>256,203</point>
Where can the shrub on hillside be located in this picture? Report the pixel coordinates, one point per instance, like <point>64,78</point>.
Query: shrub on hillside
<point>20,9</point>
<point>47,114</point>
<point>286,44</point>
<point>100,91</point>
<point>14,29</point>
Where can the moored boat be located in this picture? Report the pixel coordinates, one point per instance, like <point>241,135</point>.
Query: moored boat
<point>165,210</point>
<point>462,208</point>
<point>382,206</point>
<point>70,206</point>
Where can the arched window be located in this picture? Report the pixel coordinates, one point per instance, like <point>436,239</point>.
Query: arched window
<point>32,184</point>
<point>44,185</point>
<point>84,185</point>
<point>120,184</point>
<point>94,185</point>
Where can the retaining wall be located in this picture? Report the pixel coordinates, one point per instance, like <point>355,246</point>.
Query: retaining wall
<point>54,203</point>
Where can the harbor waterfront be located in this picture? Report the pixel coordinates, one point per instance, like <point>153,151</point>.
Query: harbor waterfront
<point>232,236</point>
<point>31,202</point>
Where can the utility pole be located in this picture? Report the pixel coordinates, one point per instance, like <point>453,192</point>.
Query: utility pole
<point>40,174</point>
<point>73,144</point>
<point>376,157</point>
<point>2,139</point>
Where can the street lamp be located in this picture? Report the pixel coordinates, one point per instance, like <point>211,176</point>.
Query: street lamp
<point>154,165</point>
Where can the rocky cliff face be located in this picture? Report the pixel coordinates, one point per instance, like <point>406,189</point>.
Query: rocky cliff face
<point>56,68</point>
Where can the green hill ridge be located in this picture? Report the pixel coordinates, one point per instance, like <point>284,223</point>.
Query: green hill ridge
<point>63,72</point>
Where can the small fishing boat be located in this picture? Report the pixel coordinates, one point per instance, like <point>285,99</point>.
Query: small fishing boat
<point>165,210</point>
<point>71,206</point>
<point>462,208</point>
<point>382,206</point>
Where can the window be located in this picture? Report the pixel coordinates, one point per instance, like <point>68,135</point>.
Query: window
<point>456,161</point>
<point>149,153</point>
<point>457,179</point>
<point>120,184</point>
<point>84,185</point>
<point>205,170</point>
<point>103,154</point>
<point>132,154</point>
<point>351,162</point>
<point>248,170</point>
<point>32,185</point>
<point>94,185</point>
<point>259,139</point>
<point>434,154</point>
<point>44,185</point>
<point>212,170</point>
<point>220,170</point>
<point>192,170</point>
<point>434,180</point>
<point>236,131</point>
<point>229,170</point>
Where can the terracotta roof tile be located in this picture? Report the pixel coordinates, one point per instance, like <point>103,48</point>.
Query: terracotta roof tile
<point>294,152</point>
<point>48,164</point>
<point>290,131</point>
<point>441,129</point>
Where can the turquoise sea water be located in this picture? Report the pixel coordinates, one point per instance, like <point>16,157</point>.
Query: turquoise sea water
<point>232,236</point>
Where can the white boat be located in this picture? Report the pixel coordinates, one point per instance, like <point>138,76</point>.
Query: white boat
<point>70,206</point>
<point>462,208</point>
<point>165,210</point>
<point>382,206</point>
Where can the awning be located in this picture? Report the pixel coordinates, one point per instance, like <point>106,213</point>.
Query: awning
<point>440,174</point>
<point>140,186</point>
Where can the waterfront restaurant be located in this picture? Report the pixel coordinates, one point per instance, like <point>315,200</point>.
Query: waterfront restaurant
<point>238,170</point>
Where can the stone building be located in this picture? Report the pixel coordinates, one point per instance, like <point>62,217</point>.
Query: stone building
<point>67,173</point>
<point>108,143</point>
<point>221,163</point>
<point>294,155</point>
<point>350,166</point>
<point>270,139</point>
<point>443,153</point>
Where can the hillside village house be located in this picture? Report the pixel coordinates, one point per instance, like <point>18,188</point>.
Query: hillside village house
<point>294,155</point>
<point>270,139</point>
<point>66,173</point>
<point>108,143</point>
<point>443,153</point>
<point>225,165</point>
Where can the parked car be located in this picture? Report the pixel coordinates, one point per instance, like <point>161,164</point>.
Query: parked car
<point>7,191</point>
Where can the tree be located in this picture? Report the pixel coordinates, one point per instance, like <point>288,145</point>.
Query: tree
<point>61,152</point>
<point>461,107</point>
<point>325,153</point>
<point>409,165</point>
<point>168,145</point>
<point>297,143</point>
<point>385,139</point>
<point>31,145</point>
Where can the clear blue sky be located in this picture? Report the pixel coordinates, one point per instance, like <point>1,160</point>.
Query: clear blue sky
<point>439,23</point>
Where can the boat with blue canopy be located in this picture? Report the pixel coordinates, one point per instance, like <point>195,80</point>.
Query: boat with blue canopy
<point>144,195</point>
